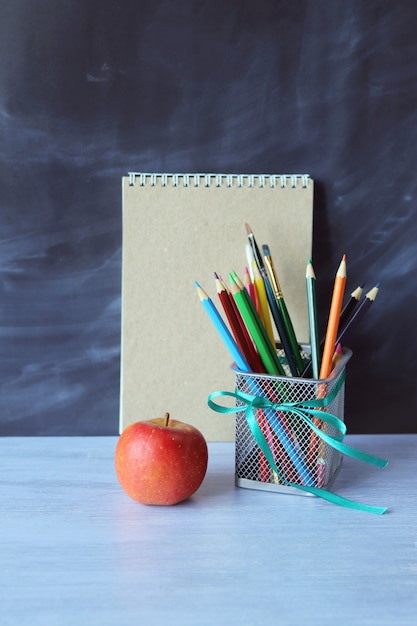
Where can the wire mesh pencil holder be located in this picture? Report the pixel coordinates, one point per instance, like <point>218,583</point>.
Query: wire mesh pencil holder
<point>278,433</point>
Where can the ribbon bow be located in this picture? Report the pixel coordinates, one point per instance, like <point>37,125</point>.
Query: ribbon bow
<point>305,411</point>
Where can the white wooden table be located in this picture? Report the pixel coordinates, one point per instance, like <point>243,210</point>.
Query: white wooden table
<point>76,550</point>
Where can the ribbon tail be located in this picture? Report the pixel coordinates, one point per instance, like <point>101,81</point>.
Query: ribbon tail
<point>316,491</point>
<point>341,501</point>
<point>354,453</point>
<point>251,403</point>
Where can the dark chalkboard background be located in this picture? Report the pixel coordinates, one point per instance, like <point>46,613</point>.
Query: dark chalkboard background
<point>91,89</point>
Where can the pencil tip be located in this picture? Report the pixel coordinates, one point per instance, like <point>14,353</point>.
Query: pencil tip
<point>372,293</point>
<point>197,284</point>
<point>356,293</point>
<point>309,270</point>
<point>342,267</point>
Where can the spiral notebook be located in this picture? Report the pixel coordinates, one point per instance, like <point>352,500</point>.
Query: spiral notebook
<point>181,228</point>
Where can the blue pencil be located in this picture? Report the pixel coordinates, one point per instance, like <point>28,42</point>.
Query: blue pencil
<point>222,329</point>
<point>277,421</point>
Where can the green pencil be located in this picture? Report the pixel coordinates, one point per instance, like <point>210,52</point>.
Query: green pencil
<point>285,316</point>
<point>256,329</point>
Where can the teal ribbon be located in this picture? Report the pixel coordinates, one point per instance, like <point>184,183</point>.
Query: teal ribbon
<point>305,410</point>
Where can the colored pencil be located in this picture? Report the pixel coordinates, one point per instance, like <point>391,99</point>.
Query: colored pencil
<point>222,329</point>
<point>264,468</point>
<point>345,315</point>
<point>263,306</point>
<point>256,329</point>
<point>277,421</point>
<point>312,319</point>
<point>250,287</point>
<point>276,314</point>
<point>333,321</point>
<point>321,455</point>
<point>360,311</point>
<point>326,362</point>
<point>238,328</point>
<point>279,324</point>
<point>260,367</point>
<point>286,448</point>
<point>338,353</point>
<point>279,297</point>
<point>350,306</point>
<point>236,279</point>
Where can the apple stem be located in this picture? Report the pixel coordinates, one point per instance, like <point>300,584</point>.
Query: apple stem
<point>166,419</point>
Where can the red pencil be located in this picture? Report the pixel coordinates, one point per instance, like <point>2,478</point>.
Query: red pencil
<point>264,469</point>
<point>238,328</point>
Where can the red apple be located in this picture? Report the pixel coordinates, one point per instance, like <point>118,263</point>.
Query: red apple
<point>161,461</point>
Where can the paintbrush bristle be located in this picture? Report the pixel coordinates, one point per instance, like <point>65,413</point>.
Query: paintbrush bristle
<point>248,229</point>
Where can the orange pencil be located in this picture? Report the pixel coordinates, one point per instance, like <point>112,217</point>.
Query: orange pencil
<point>333,322</point>
<point>328,353</point>
<point>321,460</point>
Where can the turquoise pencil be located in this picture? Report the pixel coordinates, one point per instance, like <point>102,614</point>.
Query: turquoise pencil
<point>222,329</point>
<point>312,319</point>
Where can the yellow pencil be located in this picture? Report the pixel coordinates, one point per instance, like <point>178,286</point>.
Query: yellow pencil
<point>264,313</point>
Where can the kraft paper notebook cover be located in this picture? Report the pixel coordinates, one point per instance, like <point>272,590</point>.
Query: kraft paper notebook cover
<point>181,228</point>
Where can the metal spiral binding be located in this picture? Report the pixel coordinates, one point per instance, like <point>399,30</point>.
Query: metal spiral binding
<point>218,180</point>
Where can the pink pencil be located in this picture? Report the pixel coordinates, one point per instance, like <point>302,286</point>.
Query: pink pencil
<point>250,287</point>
